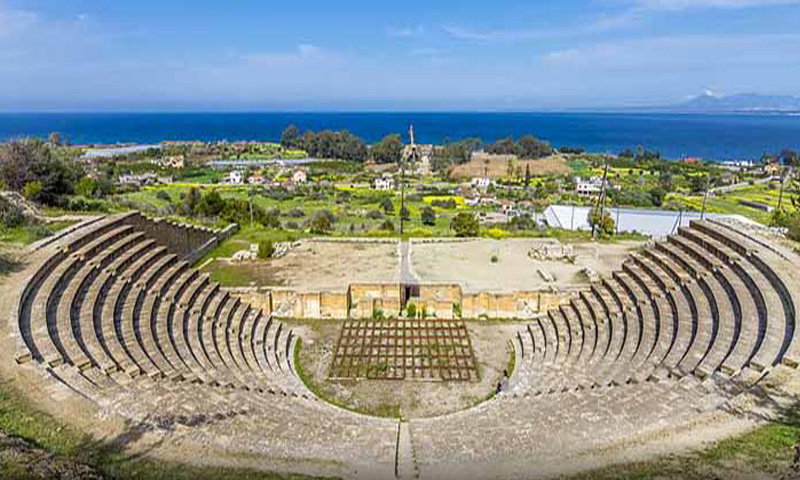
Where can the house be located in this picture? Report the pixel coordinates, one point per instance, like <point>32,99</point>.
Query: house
<point>139,180</point>
<point>588,186</point>
<point>236,177</point>
<point>772,169</point>
<point>481,183</point>
<point>299,176</point>
<point>175,162</point>
<point>384,183</point>
<point>257,179</point>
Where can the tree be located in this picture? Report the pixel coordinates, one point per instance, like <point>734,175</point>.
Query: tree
<point>428,216</point>
<point>405,214</point>
<point>604,224</point>
<point>290,138</point>
<point>387,226</point>
<point>266,249</point>
<point>322,222</point>
<point>87,187</point>
<point>657,196</point>
<point>626,153</point>
<point>789,158</point>
<point>191,200</point>
<point>25,161</point>
<point>388,150</point>
<point>527,175</point>
<point>32,190</point>
<point>211,205</point>
<point>466,225</point>
<point>388,206</point>
<point>533,148</point>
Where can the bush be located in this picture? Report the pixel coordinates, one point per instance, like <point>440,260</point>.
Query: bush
<point>388,206</point>
<point>374,215</point>
<point>428,216</point>
<point>604,225</point>
<point>794,227</point>
<point>163,196</point>
<point>405,214</point>
<point>457,310</point>
<point>411,311</point>
<point>10,215</point>
<point>296,213</point>
<point>449,203</point>
<point>494,259</point>
<point>321,223</point>
<point>32,190</point>
<point>266,249</point>
<point>387,226</point>
<point>466,225</point>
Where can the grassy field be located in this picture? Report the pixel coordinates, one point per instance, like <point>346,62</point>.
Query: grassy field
<point>28,234</point>
<point>730,202</point>
<point>766,452</point>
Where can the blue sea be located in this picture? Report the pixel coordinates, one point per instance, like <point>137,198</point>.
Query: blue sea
<point>714,137</point>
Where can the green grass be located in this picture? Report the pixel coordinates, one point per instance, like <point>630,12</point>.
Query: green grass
<point>20,420</point>
<point>31,233</point>
<point>765,452</point>
<point>383,410</point>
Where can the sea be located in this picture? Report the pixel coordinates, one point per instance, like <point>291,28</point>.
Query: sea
<point>712,137</point>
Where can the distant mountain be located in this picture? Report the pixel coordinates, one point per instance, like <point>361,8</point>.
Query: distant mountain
<point>742,103</point>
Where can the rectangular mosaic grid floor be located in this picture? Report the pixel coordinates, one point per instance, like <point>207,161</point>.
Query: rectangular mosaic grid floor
<point>426,350</point>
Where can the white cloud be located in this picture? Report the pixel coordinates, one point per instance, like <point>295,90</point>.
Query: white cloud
<point>684,53</point>
<point>404,32</point>
<point>304,54</point>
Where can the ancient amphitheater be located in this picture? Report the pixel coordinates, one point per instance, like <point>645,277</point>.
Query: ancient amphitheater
<point>692,339</point>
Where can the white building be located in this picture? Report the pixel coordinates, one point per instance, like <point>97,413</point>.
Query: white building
<point>482,183</point>
<point>299,176</point>
<point>236,177</point>
<point>588,186</point>
<point>384,183</point>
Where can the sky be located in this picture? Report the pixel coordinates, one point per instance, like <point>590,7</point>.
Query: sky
<point>421,55</point>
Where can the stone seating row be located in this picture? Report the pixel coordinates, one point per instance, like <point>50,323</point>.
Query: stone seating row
<point>691,305</point>
<point>117,302</point>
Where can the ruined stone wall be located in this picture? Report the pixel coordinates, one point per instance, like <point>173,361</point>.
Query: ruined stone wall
<point>362,300</point>
<point>365,299</point>
<point>190,242</point>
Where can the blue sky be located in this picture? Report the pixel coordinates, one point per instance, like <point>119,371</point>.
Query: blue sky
<point>385,55</point>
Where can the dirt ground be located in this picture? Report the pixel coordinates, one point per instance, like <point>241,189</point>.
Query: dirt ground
<point>498,166</point>
<point>470,264</point>
<point>333,266</point>
<point>406,398</point>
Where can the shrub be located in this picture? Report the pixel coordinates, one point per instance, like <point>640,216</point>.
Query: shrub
<point>604,224</point>
<point>266,249</point>
<point>321,224</point>
<point>377,314</point>
<point>449,203</point>
<point>794,227</point>
<point>494,259</point>
<point>388,206</point>
<point>405,214</point>
<point>496,233</point>
<point>163,196</point>
<point>411,311</point>
<point>428,216</point>
<point>32,190</point>
<point>10,215</point>
<point>374,215</point>
<point>387,225</point>
<point>457,310</point>
<point>296,213</point>
<point>466,225</point>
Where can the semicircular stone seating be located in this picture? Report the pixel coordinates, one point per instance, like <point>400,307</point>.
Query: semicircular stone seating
<point>115,313</point>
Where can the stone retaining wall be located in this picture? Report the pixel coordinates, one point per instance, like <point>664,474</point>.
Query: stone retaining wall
<point>365,300</point>
<point>190,242</point>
